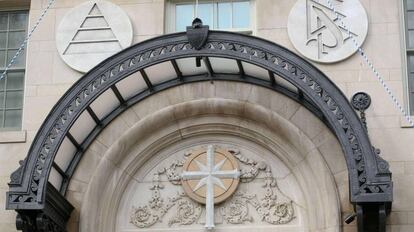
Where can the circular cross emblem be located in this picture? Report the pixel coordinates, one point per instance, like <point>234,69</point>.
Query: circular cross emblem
<point>324,35</point>
<point>92,32</point>
<point>210,177</point>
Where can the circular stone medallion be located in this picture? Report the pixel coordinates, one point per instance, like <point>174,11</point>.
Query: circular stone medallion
<point>221,167</point>
<point>92,32</point>
<point>317,32</point>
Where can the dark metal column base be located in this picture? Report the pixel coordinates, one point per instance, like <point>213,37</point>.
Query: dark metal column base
<point>52,218</point>
<point>372,217</point>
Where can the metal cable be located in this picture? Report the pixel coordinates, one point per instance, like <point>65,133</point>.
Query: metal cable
<point>26,39</point>
<point>370,64</point>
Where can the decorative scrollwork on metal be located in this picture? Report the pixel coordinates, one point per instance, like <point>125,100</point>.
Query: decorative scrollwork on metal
<point>365,177</point>
<point>361,102</point>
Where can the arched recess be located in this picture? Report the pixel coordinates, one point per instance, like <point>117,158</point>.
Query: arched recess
<point>112,173</point>
<point>258,62</point>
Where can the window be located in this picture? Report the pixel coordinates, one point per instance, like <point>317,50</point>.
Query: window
<point>219,15</point>
<point>13,30</point>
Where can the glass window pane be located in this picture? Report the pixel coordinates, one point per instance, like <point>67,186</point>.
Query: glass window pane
<point>410,20</point>
<point>18,20</point>
<point>224,15</point>
<point>2,106</point>
<point>410,4</point>
<point>3,21</point>
<point>184,16</point>
<point>205,13</point>
<point>20,61</point>
<point>16,39</point>
<point>241,14</point>
<point>13,118</point>
<point>411,82</point>
<point>2,59</point>
<point>410,59</point>
<point>412,104</point>
<point>15,80</point>
<point>3,39</point>
<point>14,99</point>
<point>1,118</point>
<point>2,84</point>
<point>410,39</point>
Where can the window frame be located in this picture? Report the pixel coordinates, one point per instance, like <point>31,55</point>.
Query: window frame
<point>170,19</point>
<point>22,69</point>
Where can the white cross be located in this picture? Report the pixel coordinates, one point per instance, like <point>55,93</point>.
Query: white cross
<point>209,175</point>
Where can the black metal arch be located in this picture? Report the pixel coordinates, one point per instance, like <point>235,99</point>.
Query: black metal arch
<point>41,206</point>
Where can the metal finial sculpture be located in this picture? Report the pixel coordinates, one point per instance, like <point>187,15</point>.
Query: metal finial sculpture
<point>361,102</point>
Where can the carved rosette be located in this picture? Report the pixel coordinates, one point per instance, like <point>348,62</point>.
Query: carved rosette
<point>234,210</point>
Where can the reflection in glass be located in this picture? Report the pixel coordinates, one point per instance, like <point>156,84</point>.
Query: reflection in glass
<point>411,63</point>
<point>2,81</point>
<point>18,21</point>
<point>410,59</point>
<point>14,99</point>
<point>241,15</point>
<point>205,13</point>
<point>410,4</point>
<point>13,29</point>
<point>3,21</point>
<point>1,100</point>
<point>15,80</point>
<point>16,39</point>
<point>184,15</point>
<point>1,118</point>
<point>2,59</point>
<point>224,15</point>
<point>13,118</point>
<point>20,61</point>
<point>3,40</point>
<point>216,14</point>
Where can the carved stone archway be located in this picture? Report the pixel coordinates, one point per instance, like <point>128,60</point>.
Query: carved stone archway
<point>42,207</point>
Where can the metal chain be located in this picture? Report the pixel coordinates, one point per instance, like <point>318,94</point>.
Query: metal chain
<point>26,39</point>
<point>370,64</point>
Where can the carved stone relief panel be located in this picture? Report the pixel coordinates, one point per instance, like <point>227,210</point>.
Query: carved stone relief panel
<point>91,32</point>
<point>324,34</point>
<point>159,199</point>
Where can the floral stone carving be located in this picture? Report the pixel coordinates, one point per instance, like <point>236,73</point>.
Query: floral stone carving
<point>234,210</point>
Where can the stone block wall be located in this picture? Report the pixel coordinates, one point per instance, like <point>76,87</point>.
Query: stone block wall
<point>48,77</point>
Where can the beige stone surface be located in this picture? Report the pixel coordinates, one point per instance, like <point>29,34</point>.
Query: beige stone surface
<point>119,147</point>
<point>48,77</point>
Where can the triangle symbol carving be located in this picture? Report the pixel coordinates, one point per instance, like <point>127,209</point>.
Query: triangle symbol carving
<point>93,36</point>
<point>95,10</point>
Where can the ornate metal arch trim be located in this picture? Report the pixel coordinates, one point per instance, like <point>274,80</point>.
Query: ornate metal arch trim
<point>369,177</point>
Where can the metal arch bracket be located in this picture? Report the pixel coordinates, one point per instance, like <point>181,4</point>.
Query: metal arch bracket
<point>29,190</point>
<point>361,101</point>
<point>197,34</point>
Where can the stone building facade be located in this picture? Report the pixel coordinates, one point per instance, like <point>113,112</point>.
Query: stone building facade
<point>296,156</point>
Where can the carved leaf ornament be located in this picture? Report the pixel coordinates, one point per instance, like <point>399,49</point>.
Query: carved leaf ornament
<point>234,210</point>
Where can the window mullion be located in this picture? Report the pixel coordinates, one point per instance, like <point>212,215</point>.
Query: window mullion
<point>6,76</point>
<point>14,72</point>
<point>214,15</point>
